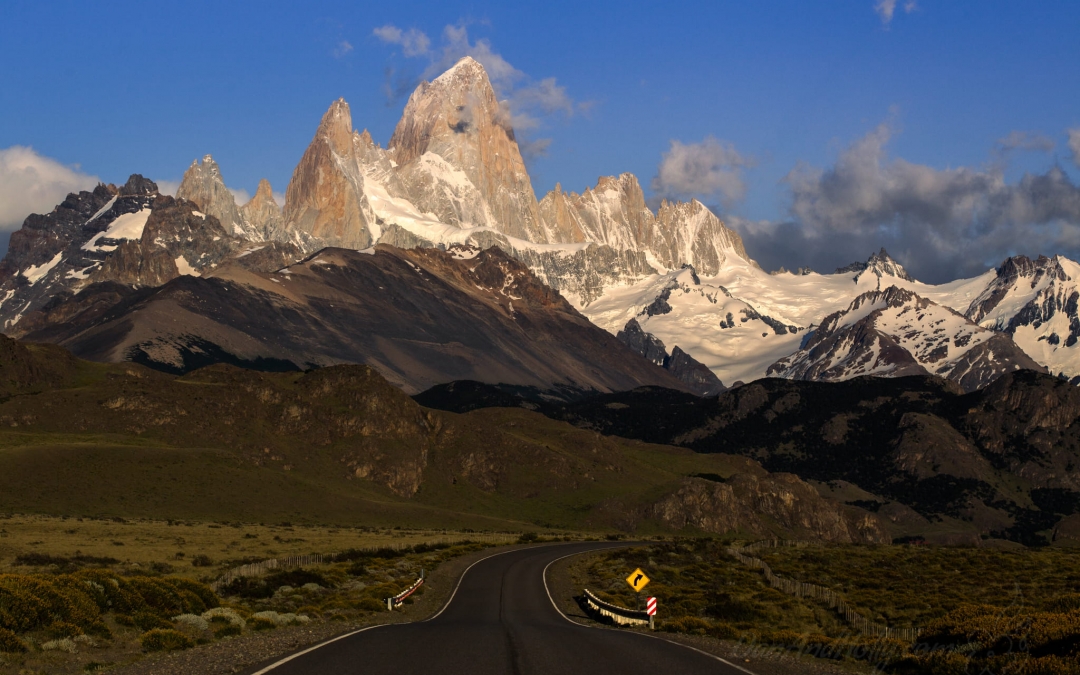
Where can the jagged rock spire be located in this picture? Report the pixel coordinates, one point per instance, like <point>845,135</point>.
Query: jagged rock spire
<point>325,198</point>
<point>204,185</point>
<point>457,128</point>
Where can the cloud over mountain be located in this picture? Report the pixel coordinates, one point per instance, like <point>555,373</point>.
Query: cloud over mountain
<point>33,183</point>
<point>528,103</point>
<point>708,170</point>
<point>941,223</point>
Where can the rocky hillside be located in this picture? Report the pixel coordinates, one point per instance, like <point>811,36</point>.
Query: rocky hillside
<point>341,444</point>
<point>1001,462</point>
<point>419,316</point>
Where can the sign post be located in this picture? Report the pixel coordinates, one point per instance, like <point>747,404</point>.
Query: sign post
<point>650,609</point>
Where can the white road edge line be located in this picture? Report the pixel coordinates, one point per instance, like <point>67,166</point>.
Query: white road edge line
<point>382,625</point>
<point>655,637</point>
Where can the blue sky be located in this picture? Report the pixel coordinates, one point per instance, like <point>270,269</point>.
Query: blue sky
<point>820,130</point>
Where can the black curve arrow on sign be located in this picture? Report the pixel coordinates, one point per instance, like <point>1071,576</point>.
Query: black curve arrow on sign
<point>637,579</point>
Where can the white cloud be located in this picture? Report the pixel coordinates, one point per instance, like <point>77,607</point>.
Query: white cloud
<point>32,183</point>
<point>941,223</point>
<point>342,49</point>
<point>886,9</point>
<point>1074,144</point>
<point>1026,141</point>
<point>710,169</point>
<point>413,42</point>
<point>168,187</point>
<point>240,196</point>
<point>279,197</point>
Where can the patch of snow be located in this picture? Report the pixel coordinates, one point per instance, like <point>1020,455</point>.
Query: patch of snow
<point>249,251</point>
<point>35,273</point>
<point>199,214</point>
<point>102,210</point>
<point>126,226</point>
<point>183,267</point>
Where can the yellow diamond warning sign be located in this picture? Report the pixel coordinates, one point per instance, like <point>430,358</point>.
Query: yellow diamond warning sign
<point>637,580</point>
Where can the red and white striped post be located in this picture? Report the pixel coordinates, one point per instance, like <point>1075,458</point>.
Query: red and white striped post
<point>650,609</point>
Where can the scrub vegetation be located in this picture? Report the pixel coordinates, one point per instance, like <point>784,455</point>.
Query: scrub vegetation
<point>978,610</point>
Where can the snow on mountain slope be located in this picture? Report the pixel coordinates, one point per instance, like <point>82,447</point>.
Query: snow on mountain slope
<point>732,337</point>
<point>893,333</point>
<point>743,348</point>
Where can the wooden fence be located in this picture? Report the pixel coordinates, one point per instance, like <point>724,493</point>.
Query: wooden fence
<point>806,590</point>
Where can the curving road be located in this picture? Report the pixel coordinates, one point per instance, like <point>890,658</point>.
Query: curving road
<point>501,621</point>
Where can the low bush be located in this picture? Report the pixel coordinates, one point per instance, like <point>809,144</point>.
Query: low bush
<point>261,623</point>
<point>10,642</point>
<point>227,630</point>
<point>165,640</point>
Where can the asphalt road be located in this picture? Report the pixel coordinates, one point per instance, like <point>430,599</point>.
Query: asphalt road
<point>501,621</point>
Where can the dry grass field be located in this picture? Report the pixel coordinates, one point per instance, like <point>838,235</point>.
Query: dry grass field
<point>173,547</point>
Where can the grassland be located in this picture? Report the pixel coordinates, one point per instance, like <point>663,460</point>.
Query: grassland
<point>27,542</point>
<point>980,610</point>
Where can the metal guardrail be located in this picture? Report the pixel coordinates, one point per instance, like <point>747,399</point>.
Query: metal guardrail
<point>399,599</point>
<point>805,590</point>
<point>620,615</point>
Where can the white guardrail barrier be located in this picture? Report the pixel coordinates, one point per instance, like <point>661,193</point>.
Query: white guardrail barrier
<point>399,599</point>
<point>620,615</point>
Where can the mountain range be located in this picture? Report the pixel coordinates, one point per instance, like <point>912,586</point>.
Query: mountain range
<point>124,273</point>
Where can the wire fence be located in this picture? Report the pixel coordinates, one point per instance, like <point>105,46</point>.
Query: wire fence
<point>801,589</point>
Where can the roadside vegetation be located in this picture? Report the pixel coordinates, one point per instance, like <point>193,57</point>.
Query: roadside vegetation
<point>126,592</point>
<point>979,610</point>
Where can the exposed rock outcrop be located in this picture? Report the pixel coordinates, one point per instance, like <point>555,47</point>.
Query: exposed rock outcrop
<point>747,503</point>
<point>204,185</point>
<point>681,365</point>
<point>325,198</point>
<point>263,219</point>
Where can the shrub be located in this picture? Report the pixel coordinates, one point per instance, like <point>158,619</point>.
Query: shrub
<point>227,630</point>
<point>64,645</point>
<point>145,621</point>
<point>371,605</point>
<point>261,623</point>
<point>297,577</point>
<point>687,624</point>
<point>165,640</point>
<point>202,561</point>
<point>722,630</point>
<point>280,619</point>
<point>63,629</point>
<point>193,620</point>
<point>10,643</point>
<point>224,615</point>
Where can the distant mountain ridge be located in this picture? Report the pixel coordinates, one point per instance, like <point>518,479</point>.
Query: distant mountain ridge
<point>419,316</point>
<point>453,174</point>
